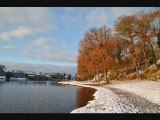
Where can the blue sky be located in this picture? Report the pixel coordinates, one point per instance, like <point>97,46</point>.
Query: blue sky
<point>49,36</point>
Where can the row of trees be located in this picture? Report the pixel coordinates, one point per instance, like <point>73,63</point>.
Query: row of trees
<point>132,44</point>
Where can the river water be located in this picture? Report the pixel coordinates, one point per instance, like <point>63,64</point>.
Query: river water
<point>41,97</point>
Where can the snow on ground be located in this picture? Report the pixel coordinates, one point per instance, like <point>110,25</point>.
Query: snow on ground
<point>109,99</point>
<point>98,105</point>
<point>147,89</point>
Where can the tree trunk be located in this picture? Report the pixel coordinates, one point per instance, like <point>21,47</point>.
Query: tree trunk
<point>153,55</point>
<point>105,70</point>
<point>105,74</point>
<point>135,65</point>
<point>145,59</point>
<point>92,76</point>
<point>158,41</point>
<point>98,75</point>
<point>144,55</point>
<point>133,58</point>
<point>95,77</point>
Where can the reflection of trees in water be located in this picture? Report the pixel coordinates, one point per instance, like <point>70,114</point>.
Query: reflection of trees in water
<point>1,82</point>
<point>54,83</point>
<point>37,83</point>
<point>83,96</point>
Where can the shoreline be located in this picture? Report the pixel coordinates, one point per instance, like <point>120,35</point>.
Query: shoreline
<point>145,88</point>
<point>95,95</point>
<point>105,100</point>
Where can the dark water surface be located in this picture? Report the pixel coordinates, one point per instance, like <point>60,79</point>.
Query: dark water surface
<point>41,97</point>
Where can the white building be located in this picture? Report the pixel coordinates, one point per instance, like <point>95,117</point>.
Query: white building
<point>2,78</point>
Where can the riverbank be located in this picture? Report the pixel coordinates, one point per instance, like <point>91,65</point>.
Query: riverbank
<point>145,88</point>
<point>143,96</point>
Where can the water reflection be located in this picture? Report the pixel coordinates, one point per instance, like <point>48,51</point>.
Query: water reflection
<point>41,97</point>
<point>35,83</point>
<point>83,96</point>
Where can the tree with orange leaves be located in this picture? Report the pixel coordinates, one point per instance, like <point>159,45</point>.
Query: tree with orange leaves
<point>126,29</point>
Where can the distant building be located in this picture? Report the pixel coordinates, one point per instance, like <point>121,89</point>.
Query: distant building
<point>68,77</point>
<point>2,78</point>
<point>49,77</point>
<point>30,74</point>
<point>2,73</point>
<point>18,74</point>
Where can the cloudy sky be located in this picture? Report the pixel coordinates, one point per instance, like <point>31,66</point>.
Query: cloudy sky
<point>47,38</point>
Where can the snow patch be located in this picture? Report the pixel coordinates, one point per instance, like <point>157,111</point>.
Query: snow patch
<point>147,89</point>
<point>106,101</point>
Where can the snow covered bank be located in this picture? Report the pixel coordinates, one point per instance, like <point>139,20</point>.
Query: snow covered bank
<point>108,100</point>
<point>147,89</point>
<point>99,104</point>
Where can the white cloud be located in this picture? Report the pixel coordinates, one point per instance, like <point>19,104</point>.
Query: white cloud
<point>83,18</point>
<point>42,43</point>
<point>39,18</point>
<point>38,67</point>
<point>8,47</point>
<point>19,22</point>
<point>118,11</point>
<point>86,17</point>
<point>19,32</point>
<point>97,16</point>
<point>61,56</point>
<point>49,51</point>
